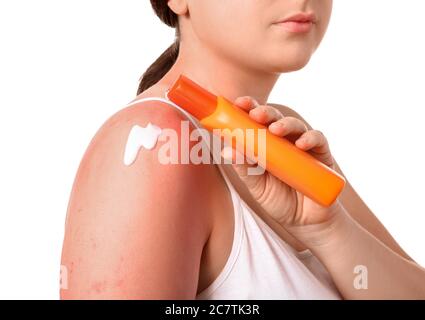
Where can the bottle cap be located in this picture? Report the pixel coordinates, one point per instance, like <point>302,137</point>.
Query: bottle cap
<point>192,97</point>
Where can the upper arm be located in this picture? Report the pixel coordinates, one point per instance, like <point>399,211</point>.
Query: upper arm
<point>134,231</point>
<point>352,202</point>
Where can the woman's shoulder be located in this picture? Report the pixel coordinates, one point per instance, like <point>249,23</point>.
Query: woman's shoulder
<point>135,212</point>
<point>150,116</point>
<point>135,154</point>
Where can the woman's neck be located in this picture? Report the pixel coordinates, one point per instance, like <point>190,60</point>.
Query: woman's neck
<point>220,75</point>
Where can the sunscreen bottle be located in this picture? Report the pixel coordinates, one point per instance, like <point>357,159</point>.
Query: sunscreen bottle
<point>293,166</point>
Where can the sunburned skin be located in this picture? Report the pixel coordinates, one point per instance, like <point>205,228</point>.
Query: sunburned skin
<point>144,137</point>
<point>148,136</point>
<point>138,137</point>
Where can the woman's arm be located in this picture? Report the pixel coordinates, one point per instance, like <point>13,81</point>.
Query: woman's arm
<point>138,231</point>
<point>361,266</point>
<point>352,202</point>
<point>344,246</point>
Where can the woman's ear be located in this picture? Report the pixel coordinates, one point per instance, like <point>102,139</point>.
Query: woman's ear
<point>179,7</point>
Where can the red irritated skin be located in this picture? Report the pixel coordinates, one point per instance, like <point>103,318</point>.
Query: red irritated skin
<point>135,232</point>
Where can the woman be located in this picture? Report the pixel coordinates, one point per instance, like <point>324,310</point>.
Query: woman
<point>210,231</point>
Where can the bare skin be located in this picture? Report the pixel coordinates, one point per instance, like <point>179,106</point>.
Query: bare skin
<point>123,240</point>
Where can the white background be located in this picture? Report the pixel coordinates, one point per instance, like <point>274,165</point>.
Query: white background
<point>66,66</point>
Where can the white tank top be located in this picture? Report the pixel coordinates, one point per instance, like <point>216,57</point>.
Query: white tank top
<point>261,265</point>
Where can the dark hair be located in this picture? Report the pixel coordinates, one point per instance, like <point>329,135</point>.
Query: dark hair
<point>164,63</point>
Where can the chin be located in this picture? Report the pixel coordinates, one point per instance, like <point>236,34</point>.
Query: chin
<point>290,60</point>
<point>288,65</point>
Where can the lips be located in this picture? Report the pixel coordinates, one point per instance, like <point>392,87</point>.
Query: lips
<point>301,17</point>
<point>298,23</point>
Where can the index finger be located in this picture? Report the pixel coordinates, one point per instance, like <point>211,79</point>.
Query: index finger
<point>246,103</point>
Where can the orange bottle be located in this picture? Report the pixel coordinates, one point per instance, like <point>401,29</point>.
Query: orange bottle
<point>283,159</point>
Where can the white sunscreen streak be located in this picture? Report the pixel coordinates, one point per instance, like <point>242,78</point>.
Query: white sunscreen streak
<point>140,137</point>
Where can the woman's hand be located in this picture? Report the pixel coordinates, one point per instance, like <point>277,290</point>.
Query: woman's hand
<point>334,237</point>
<point>279,200</point>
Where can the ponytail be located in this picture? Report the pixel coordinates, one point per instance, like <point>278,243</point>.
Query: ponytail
<point>159,68</point>
<point>164,63</point>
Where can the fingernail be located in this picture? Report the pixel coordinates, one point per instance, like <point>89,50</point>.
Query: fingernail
<point>277,125</point>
